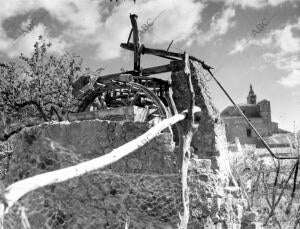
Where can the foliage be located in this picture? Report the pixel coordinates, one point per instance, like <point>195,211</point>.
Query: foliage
<point>264,180</point>
<point>39,86</point>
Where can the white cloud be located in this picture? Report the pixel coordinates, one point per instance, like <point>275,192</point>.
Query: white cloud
<point>177,21</point>
<point>5,42</point>
<point>219,25</point>
<point>24,44</point>
<point>292,79</point>
<point>116,27</point>
<point>289,63</point>
<point>282,62</point>
<point>282,49</point>
<point>82,20</point>
<point>286,39</point>
<point>240,46</point>
<point>257,3</point>
<point>247,3</point>
<point>286,57</point>
<point>283,40</point>
<point>82,16</point>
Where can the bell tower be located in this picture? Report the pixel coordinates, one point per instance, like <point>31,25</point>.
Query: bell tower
<point>251,98</point>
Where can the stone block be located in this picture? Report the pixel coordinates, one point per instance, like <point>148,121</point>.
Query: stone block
<point>250,216</point>
<point>130,113</point>
<point>210,137</point>
<point>200,163</point>
<point>119,166</point>
<point>134,164</point>
<point>66,143</point>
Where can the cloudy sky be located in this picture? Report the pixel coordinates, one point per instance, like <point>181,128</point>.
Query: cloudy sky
<point>247,41</point>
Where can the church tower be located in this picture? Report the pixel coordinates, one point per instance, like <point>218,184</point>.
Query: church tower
<point>251,99</point>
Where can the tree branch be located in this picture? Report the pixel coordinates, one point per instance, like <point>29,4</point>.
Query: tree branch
<point>31,102</point>
<point>276,202</point>
<point>187,130</point>
<point>53,109</point>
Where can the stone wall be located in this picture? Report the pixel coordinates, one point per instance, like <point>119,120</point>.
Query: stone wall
<point>237,127</point>
<point>130,113</point>
<point>210,140</point>
<point>89,139</point>
<point>143,189</point>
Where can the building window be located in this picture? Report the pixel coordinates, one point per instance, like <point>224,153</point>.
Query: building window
<point>248,132</point>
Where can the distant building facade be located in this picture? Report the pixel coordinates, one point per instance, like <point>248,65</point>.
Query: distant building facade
<point>259,114</point>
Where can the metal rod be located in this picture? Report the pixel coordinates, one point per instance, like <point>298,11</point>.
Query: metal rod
<point>129,36</point>
<point>247,120</point>
<point>170,45</point>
